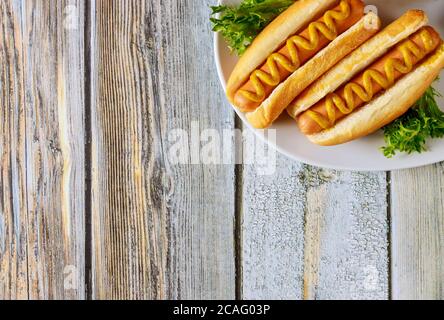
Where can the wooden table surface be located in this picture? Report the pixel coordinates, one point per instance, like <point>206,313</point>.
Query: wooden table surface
<point>91,207</point>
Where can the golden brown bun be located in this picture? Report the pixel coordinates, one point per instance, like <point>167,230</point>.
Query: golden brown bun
<point>286,92</point>
<point>273,37</point>
<point>360,59</point>
<point>387,107</point>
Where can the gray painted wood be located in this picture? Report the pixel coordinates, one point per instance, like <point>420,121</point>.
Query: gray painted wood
<point>418,233</point>
<point>42,213</point>
<point>160,230</point>
<point>273,231</point>
<point>346,236</point>
<point>314,234</point>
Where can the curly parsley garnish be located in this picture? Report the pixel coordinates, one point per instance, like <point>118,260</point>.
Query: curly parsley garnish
<point>240,25</point>
<point>410,133</point>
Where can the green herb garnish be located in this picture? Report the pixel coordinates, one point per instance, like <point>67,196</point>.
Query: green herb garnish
<point>240,25</point>
<point>410,133</point>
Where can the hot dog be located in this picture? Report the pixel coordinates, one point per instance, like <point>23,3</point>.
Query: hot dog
<point>285,59</point>
<point>358,60</point>
<point>297,50</point>
<point>380,76</point>
<point>377,92</point>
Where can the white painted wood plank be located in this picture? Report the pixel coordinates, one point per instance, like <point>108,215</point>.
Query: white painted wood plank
<point>418,233</point>
<point>273,237</point>
<point>314,234</point>
<point>346,236</point>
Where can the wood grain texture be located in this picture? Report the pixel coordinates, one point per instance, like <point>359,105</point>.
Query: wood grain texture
<point>418,233</point>
<point>314,234</point>
<point>43,83</point>
<point>167,231</point>
<point>160,230</point>
<point>346,236</point>
<point>13,206</point>
<point>273,231</point>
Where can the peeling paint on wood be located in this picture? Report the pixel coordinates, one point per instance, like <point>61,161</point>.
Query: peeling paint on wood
<point>272,232</point>
<point>314,234</point>
<point>346,237</point>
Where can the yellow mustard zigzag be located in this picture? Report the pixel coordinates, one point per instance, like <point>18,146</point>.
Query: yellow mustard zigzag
<point>335,102</point>
<point>327,28</point>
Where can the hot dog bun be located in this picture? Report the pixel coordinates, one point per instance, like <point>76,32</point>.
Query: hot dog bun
<point>262,113</point>
<point>387,107</point>
<point>287,91</point>
<point>297,50</point>
<point>273,37</point>
<point>357,61</point>
<point>383,74</point>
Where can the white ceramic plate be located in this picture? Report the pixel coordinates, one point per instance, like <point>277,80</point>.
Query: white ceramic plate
<point>360,155</point>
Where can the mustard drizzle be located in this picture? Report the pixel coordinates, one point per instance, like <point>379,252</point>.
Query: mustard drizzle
<point>335,102</point>
<point>327,28</point>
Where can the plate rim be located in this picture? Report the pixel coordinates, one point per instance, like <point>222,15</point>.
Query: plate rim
<point>217,40</point>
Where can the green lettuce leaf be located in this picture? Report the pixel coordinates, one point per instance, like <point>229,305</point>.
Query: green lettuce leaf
<point>240,25</point>
<point>410,133</point>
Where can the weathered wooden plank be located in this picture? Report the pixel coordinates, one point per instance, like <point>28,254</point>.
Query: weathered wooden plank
<point>418,233</point>
<point>273,237</point>
<point>43,41</point>
<point>346,236</point>
<point>160,230</point>
<point>13,206</point>
<point>314,234</point>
